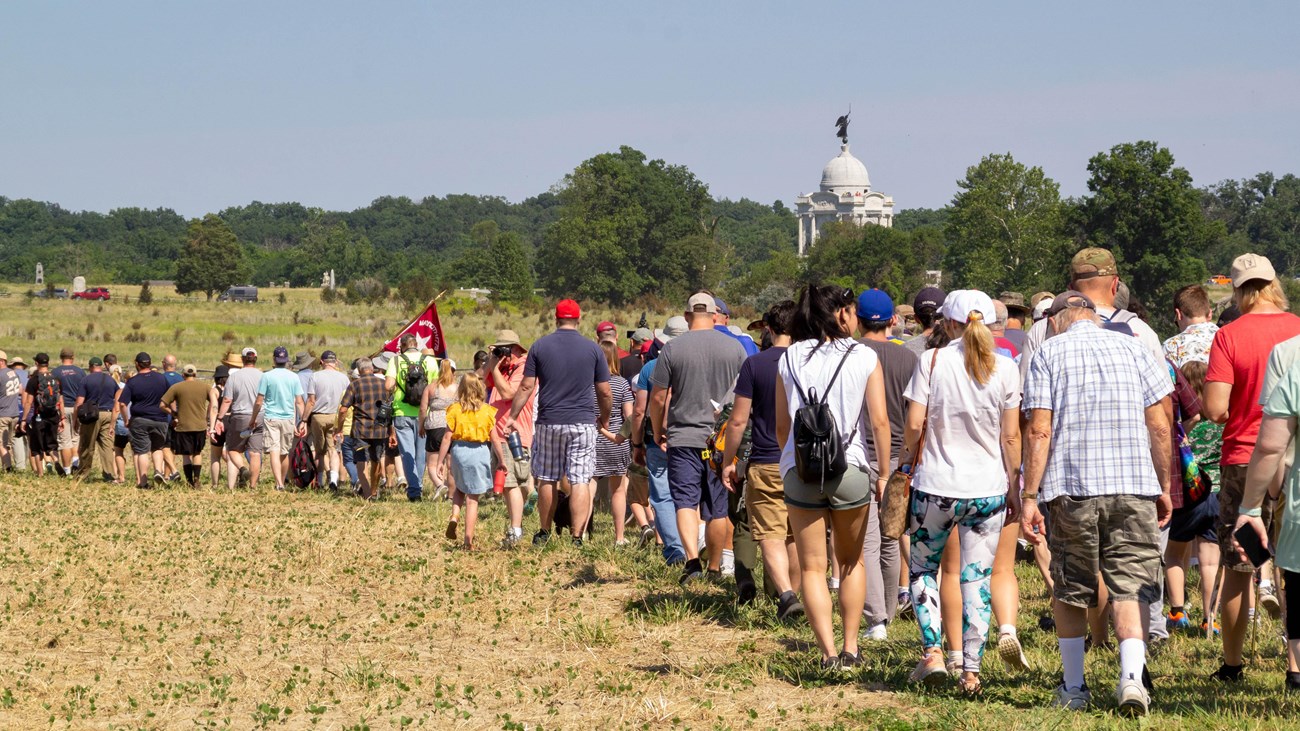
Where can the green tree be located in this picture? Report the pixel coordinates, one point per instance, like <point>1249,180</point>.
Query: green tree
<point>628,227</point>
<point>212,259</point>
<point>860,257</point>
<point>510,273</point>
<point>1144,209</point>
<point>1274,224</point>
<point>1004,228</point>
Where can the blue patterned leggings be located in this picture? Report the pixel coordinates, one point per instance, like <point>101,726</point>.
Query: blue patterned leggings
<point>979,524</point>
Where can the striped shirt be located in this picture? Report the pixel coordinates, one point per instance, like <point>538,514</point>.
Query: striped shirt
<point>1097,384</point>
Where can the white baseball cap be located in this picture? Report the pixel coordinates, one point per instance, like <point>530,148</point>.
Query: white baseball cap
<point>959,305</point>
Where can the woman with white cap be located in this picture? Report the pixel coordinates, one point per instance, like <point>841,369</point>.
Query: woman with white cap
<point>966,399</point>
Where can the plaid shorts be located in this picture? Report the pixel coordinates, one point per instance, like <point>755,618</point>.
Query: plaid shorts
<point>564,450</point>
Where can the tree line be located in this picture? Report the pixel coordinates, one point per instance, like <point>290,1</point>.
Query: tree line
<point>622,227</point>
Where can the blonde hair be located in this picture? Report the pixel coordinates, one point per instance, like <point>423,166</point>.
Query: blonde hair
<point>471,393</point>
<point>611,357</point>
<point>446,374</point>
<point>977,342</point>
<point>1248,296</point>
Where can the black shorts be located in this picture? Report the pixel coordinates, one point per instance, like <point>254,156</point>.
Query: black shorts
<point>43,436</point>
<point>368,450</point>
<point>189,443</point>
<point>433,439</point>
<point>121,440</point>
<point>1196,521</point>
<point>147,435</point>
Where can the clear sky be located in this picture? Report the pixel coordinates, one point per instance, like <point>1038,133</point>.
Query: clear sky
<point>198,106</point>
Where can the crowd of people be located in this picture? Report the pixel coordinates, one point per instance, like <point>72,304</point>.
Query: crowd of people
<point>851,452</point>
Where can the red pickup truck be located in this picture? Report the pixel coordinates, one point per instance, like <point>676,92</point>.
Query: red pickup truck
<point>94,293</point>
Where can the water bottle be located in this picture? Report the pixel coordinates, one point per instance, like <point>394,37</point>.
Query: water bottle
<point>516,447</point>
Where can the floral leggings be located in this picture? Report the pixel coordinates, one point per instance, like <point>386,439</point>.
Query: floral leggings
<point>979,524</point>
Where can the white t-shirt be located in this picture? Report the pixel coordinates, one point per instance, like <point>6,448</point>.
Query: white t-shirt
<point>962,456</point>
<point>846,398</point>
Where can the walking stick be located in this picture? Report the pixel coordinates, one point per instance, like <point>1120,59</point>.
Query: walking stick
<point>1216,598</point>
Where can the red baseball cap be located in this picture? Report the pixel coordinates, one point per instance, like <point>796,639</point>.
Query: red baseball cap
<point>605,325</point>
<point>567,310</point>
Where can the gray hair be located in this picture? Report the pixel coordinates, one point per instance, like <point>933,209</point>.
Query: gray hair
<point>365,365</point>
<point>1066,318</point>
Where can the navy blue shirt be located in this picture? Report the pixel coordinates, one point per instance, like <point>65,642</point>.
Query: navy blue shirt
<point>143,394</point>
<point>98,388</point>
<point>566,364</point>
<point>757,382</point>
<point>70,377</point>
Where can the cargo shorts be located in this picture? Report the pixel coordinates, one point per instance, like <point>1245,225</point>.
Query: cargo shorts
<point>1116,536</point>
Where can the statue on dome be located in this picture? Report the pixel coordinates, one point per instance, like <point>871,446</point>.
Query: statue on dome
<point>843,124</point>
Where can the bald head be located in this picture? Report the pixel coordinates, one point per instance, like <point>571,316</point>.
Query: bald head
<point>1101,290</point>
<point>169,362</point>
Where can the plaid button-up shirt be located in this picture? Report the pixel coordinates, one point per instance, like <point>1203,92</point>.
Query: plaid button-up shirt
<point>361,395</point>
<point>1097,384</point>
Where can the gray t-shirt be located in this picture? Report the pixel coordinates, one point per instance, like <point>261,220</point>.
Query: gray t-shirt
<point>327,385</point>
<point>897,363</point>
<point>700,368</point>
<point>11,393</point>
<point>917,344</point>
<point>241,389</point>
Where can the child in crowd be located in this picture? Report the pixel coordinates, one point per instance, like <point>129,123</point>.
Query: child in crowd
<point>467,441</point>
<point>1194,525</point>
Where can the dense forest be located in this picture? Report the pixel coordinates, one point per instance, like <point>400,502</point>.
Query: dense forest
<point>621,227</point>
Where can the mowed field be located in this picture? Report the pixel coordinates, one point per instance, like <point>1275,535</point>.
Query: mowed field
<point>181,608</point>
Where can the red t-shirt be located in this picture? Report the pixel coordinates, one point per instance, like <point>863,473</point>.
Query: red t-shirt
<point>1239,357</point>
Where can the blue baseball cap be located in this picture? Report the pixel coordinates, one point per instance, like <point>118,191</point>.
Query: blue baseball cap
<point>875,306</point>
<point>722,306</point>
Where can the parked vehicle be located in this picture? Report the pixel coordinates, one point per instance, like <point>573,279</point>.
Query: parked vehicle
<point>1219,280</point>
<point>94,293</point>
<point>58,293</point>
<point>239,293</point>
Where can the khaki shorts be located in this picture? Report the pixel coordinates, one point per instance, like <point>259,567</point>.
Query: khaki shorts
<point>638,486</point>
<point>765,498</point>
<point>518,471</point>
<point>67,440</point>
<point>1232,487</point>
<point>321,429</point>
<point>279,436</point>
<point>1117,536</point>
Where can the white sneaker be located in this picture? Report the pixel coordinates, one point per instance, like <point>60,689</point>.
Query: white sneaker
<point>1132,697</point>
<point>728,562</point>
<point>1268,600</point>
<point>876,633</point>
<point>1011,652</point>
<point>1072,699</point>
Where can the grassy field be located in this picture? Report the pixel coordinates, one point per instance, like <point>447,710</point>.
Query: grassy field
<point>193,609</point>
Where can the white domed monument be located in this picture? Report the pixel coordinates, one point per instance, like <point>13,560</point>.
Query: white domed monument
<point>845,195</point>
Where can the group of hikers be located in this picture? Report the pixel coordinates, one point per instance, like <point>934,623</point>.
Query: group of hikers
<point>852,452</point>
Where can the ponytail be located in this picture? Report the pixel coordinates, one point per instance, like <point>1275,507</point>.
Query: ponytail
<point>977,342</point>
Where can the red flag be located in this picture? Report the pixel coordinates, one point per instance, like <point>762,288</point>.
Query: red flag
<point>427,331</point>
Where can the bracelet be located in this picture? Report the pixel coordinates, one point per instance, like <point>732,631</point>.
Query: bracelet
<point>1250,512</point>
<point>1033,497</point>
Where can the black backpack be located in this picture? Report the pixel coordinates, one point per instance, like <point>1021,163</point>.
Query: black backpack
<point>49,395</point>
<point>302,464</point>
<point>416,381</point>
<point>818,448</point>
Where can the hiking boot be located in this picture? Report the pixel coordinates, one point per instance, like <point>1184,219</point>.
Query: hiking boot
<point>1228,674</point>
<point>788,606</point>
<point>647,536</point>
<point>1132,697</point>
<point>1071,699</point>
<point>931,670</point>
<point>1268,600</point>
<point>541,537</point>
<point>1012,654</point>
<point>1177,621</point>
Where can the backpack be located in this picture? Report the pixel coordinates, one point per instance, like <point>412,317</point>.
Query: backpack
<point>818,448</point>
<point>717,443</point>
<point>415,382</point>
<point>1118,322</point>
<point>49,395</point>
<point>302,464</point>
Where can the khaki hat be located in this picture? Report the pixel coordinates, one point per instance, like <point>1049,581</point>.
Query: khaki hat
<point>18,361</point>
<point>674,327</point>
<point>232,360</point>
<point>905,311</point>
<point>189,370</point>
<point>1039,297</point>
<point>302,361</point>
<point>1093,262</point>
<point>702,302</point>
<point>4,355</point>
<point>1251,266</point>
<point>1014,301</point>
<point>506,337</point>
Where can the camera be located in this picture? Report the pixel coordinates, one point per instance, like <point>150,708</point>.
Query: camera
<point>501,351</point>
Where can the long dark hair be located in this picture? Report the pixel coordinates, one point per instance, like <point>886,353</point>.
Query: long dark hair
<point>815,314</point>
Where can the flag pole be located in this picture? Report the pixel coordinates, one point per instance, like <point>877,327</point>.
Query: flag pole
<point>415,319</point>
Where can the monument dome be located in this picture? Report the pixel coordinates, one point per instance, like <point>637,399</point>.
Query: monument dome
<point>845,173</point>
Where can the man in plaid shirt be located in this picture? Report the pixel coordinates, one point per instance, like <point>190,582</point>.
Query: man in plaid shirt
<point>1098,458</point>
<point>364,396</point>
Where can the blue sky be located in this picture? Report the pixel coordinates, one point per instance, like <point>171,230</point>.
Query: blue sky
<point>199,106</point>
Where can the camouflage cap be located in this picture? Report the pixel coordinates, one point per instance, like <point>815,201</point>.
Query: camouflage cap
<point>1093,262</point>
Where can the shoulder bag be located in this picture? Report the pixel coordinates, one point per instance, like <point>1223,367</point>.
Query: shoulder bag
<point>897,500</point>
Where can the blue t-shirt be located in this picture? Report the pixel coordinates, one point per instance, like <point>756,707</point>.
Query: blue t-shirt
<point>280,386</point>
<point>173,377</point>
<point>643,378</point>
<point>751,348</point>
<point>70,377</point>
<point>143,393</point>
<point>757,382</point>
<point>98,388</point>
<point>566,364</point>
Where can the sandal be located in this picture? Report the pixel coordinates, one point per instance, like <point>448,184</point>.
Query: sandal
<point>970,688</point>
<point>451,530</point>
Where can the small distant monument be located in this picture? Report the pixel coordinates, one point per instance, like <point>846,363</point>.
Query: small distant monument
<point>845,195</point>
<point>40,273</point>
<point>78,284</point>
<point>327,280</point>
